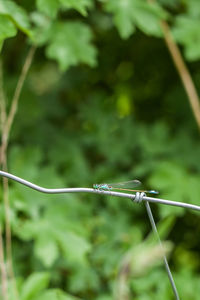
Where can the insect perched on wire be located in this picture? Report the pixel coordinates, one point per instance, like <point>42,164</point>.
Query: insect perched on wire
<point>123,186</point>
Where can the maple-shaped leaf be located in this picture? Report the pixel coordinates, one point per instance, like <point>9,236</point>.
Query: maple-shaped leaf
<point>70,44</point>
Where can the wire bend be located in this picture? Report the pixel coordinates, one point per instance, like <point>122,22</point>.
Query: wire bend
<point>95,191</point>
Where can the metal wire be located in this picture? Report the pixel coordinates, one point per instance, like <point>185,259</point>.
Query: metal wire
<point>94,191</point>
<point>154,228</point>
<point>138,198</point>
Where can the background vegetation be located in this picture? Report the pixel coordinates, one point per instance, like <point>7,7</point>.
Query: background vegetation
<point>89,93</point>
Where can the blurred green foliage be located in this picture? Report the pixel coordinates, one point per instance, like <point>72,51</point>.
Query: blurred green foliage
<point>125,118</point>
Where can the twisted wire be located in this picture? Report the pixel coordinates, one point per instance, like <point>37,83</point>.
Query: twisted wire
<point>139,197</point>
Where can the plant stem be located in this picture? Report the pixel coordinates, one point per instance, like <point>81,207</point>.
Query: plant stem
<point>6,125</point>
<point>2,122</point>
<point>3,270</point>
<point>182,70</point>
<point>18,90</point>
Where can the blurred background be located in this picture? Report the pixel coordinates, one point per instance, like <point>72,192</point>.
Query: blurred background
<point>116,112</point>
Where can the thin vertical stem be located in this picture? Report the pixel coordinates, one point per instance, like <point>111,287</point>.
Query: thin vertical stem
<point>2,99</point>
<point>3,270</point>
<point>18,89</point>
<point>2,123</point>
<point>6,124</point>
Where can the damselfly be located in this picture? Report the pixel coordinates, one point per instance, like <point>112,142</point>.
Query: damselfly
<point>123,186</point>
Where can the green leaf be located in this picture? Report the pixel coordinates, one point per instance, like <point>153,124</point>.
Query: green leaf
<point>71,44</point>
<point>165,179</point>
<point>80,5</point>
<point>123,19</point>
<point>74,247</point>
<point>16,14</point>
<point>48,7</point>
<point>30,156</point>
<point>186,32</point>
<point>131,13</point>
<point>46,249</point>
<point>7,28</point>
<point>193,8</point>
<point>34,285</point>
<point>42,30</point>
<point>56,294</point>
<point>26,230</point>
<point>84,276</point>
<point>148,17</point>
